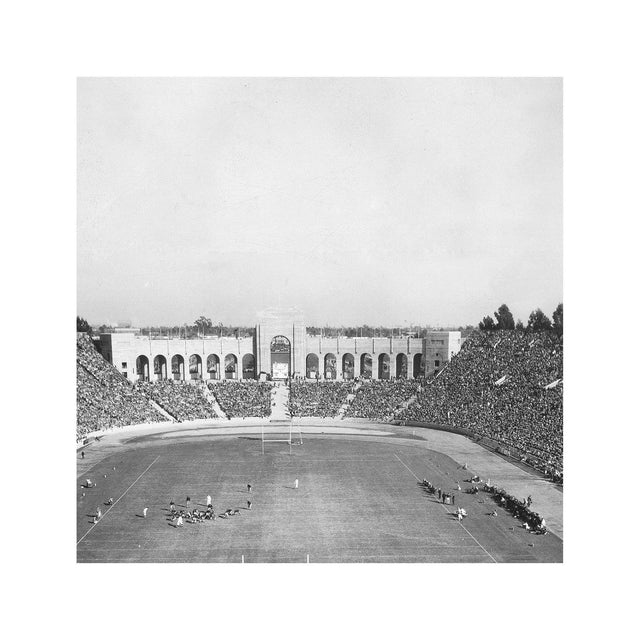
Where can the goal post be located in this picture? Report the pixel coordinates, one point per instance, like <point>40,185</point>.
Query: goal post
<point>284,431</point>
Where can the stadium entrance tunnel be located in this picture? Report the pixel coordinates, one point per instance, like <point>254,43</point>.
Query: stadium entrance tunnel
<point>280,350</point>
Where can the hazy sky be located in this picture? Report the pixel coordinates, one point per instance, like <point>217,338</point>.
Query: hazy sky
<point>379,201</point>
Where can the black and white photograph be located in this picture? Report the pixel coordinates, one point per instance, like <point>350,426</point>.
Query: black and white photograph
<point>319,320</point>
<point>318,257</point>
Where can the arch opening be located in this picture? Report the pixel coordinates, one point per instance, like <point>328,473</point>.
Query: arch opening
<point>177,367</point>
<point>366,365</point>
<point>402,366</point>
<point>348,366</point>
<point>330,372</point>
<point>384,370</point>
<point>142,368</point>
<point>230,367</point>
<point>312,366</point>
<point>280,358</point>
<point>248,367</point>
<point>195,367</point>
<point>160,367</point>
<point>213,367</point>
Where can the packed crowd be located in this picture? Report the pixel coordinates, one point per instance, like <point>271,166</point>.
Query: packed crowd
<point>380,399</point>
<point>495,388</point>
<point>104,398</point>
<point>318,399</point>
<point>521,509</point>
<point>243,399</point>
<point>182,400</point>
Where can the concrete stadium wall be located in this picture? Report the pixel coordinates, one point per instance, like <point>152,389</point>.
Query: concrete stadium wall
<point>123,350</point>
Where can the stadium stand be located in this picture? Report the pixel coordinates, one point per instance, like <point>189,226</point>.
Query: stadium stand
<point>182,400</point>
<point>243,399</point>
<point>503,385</point>
<point>104,398</point>
<point>318,399</point>
<point>380,399</point>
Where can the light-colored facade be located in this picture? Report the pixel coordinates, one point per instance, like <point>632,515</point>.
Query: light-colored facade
<point>280,347</point>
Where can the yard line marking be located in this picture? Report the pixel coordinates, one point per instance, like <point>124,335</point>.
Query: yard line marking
<point>116,502</point>
<point>467,530</point>
<point>407,468</point>
<point>447,510</point>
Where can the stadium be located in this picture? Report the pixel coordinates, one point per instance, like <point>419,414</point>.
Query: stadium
<point>343,462</point>
<point>365,415</point>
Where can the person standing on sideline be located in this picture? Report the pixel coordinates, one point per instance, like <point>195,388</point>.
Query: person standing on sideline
<point>249,488</point>
<point>296,483</point>
<point>208,501</point>
<point>144,512</point>
<point>98,513</point>
<point>82,454</point>
<point>188,502</point>
<point>249,505</point>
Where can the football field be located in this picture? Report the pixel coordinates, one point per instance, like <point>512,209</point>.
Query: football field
<point>358,501</point>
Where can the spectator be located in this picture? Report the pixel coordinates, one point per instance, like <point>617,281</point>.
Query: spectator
<point>104,398</point>
<point>243,399</point>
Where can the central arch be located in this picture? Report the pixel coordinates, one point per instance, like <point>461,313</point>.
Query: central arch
<point>280,358</point>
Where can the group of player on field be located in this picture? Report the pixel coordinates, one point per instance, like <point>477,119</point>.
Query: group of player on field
<point>520,509</point>
<point>197,516</point>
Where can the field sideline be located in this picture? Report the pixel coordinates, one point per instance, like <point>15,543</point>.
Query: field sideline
<point>358,501</point>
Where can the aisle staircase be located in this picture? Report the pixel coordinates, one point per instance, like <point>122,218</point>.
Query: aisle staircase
<point>208,394</point>
<point>350,399</point>
<point>280,403</point>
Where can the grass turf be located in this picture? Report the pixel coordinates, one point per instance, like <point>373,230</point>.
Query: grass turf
<point>358,501</point>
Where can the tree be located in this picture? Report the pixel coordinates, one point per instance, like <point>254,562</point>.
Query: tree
<point>504,317</point>
<point>83,326</point>
<point>519,325</point>
<point>557,319</point>
<point>487,324</point>
<point>538,321</point>
<point>202,325</point>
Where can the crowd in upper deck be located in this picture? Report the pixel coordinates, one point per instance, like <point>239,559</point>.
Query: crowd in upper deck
<point>104,398</point>
<point>495,387</point>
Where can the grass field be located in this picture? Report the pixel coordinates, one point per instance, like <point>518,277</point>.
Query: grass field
<point>358,501</point>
